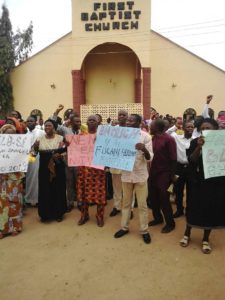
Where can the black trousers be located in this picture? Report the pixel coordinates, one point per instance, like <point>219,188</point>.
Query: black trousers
<point>182,172</point>
<point>159,199</point>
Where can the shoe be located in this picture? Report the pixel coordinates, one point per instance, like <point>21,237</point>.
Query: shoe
<point>155,222</point>
<point>167,228</point>
<point>83,220</point>
<point>59,219</point>
<point>120,233</point>
<point>114,212</point>
<point>178,214</point>
<point>185,241</point>
<point>206,248</point>
<point>146,238</point>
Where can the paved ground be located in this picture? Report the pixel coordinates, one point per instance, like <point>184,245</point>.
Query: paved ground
<point>65,261</point>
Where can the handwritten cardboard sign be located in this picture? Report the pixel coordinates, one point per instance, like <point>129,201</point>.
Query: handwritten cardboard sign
<point>14,152</point>
<point>213,153</point>
<point>115,147</point>
<point>80,150</point>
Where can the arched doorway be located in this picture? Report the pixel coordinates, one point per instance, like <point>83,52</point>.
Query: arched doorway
<point>111,72</point>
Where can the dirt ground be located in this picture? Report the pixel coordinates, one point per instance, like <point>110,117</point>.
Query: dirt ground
<point>70,262</point>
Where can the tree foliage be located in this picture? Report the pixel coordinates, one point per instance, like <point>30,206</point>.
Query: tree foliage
<point>14,49</point>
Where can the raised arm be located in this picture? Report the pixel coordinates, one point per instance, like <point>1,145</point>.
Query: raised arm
<point>205,112</point>
<point>57,111</point>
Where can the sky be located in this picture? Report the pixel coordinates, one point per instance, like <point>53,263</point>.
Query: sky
<point>197,25</point>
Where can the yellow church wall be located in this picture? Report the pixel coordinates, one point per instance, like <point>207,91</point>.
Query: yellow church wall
<point>110,77</point>
<point>32,79</point>
<point>193,79</point>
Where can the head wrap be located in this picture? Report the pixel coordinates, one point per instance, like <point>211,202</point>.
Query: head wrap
<point>6,127</point>
<point>17,124</point>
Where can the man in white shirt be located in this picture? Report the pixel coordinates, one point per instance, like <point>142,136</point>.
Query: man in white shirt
<point>31,196</point>
<point>136,180</point>
<point>182,143</point>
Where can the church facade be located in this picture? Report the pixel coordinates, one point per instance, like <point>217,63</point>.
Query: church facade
<point>112,59</point>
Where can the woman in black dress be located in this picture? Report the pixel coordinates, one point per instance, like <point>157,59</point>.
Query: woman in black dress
<point>52,181</point>
<point>205,197</point>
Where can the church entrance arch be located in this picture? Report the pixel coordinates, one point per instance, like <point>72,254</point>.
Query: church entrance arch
<point>111,73</point>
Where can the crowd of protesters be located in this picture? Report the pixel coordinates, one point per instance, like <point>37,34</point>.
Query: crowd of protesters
<point>168,161</point>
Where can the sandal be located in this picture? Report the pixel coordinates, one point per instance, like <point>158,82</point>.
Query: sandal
<point>206,249</point>
<point>185,241</point>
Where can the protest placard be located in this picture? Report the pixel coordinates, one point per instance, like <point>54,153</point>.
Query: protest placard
<point>14,152</point>
<point>213,153</point>
<point>115,147</point>
<point>80,150</point>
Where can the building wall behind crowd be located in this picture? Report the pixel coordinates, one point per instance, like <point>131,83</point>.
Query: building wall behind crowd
<point>179,79</point>
<point>44,80</point>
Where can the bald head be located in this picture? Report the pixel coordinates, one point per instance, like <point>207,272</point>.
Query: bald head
<point>122,117</point>
<point>157,126</point>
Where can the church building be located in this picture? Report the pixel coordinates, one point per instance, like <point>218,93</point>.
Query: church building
<point>112,60</point>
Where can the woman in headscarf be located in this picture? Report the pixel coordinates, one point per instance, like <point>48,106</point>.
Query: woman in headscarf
<point>91,185</point>
<point>17,115</point>
<point>11,197</point>
<point>16,123</point>
<point>52,181</point>
<point>205,197</point>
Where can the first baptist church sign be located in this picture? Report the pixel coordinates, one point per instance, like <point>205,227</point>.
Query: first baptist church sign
<point>111,16</point>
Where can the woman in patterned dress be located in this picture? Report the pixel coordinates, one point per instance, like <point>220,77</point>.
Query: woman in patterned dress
<point>51,176</point>
<point>11,197</point>
<point>91,185</point>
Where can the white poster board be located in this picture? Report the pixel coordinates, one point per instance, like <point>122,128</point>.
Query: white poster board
<point>213,153</point>
<point>14,151</point>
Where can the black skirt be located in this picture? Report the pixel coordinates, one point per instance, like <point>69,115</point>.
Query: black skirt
<point>52,191</point>
<point>205,197</point>
<point>206,203</point>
